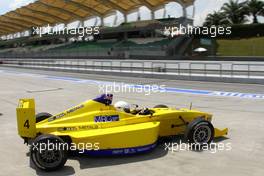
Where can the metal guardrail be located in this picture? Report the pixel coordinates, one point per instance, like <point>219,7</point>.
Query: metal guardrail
<point>207,69</point>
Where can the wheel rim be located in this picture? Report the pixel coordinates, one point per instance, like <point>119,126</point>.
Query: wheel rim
<point>49,158</point>
<point>202,134</point>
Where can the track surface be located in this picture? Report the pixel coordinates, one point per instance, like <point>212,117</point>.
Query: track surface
<point>243,116</point>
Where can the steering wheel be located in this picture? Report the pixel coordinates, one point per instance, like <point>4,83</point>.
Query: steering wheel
<point>134,106</point>
<point>146,111</point>
<point>134,109</point>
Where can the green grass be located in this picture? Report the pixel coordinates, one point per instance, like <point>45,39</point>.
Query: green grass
<point>242,47</point>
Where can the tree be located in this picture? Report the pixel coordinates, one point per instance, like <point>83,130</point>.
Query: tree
<point>215,18</point>
<point>235,12</point>
<point>255,8</point>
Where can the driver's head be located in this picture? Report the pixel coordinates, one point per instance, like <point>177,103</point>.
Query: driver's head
<point>123,106</point>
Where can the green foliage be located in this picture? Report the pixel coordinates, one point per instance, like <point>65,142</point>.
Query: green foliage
<point>255,8</point>
<point>235,12</point>
<point>216,18</point>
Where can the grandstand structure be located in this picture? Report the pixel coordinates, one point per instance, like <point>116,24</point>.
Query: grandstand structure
<point>122,41</point>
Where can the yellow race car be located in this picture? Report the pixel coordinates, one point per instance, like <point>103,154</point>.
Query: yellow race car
<point>96,127</point>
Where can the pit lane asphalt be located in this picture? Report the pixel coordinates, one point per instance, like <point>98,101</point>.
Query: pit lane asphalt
<point>244,117</point>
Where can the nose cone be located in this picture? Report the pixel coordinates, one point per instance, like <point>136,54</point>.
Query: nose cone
<point>209,117</point>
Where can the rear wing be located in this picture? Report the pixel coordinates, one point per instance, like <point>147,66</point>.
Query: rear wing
<point>26,120</point>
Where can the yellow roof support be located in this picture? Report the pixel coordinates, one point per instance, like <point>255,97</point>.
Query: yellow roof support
<point>84,7</point>
<point>30,17</point>
<point>20,21</point>
<point>7,29</point>
<point>61,9</point>
<point>43,13</point>
<point>11,26</point>
<point>13,23</point>
<point>112,5</point>
<point>147,4</point>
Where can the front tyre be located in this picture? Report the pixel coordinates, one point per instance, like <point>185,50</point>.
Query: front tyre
<point>42,116</point>
<point>161,106</point>
<point>200,132</point>
<point>48,152</point>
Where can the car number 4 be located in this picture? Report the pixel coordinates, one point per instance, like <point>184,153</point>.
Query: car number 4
<point>26,124</point>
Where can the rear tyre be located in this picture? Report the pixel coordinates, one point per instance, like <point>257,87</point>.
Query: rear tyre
<point>200,132</point>
<point>161,106</point>
<point>48,153</point>
<point>42,116</point>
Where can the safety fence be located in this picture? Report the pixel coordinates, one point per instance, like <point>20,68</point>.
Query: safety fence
<point>205,69</point>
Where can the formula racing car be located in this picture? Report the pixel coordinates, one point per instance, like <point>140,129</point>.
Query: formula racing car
<point>96,127</point>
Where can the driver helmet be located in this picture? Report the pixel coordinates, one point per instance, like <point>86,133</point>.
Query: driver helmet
<point>122,105</point>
